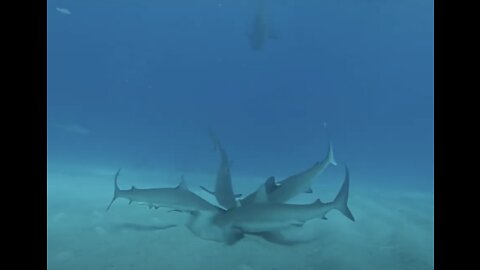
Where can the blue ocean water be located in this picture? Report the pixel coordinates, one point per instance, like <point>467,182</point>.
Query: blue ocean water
<point>137,85</point>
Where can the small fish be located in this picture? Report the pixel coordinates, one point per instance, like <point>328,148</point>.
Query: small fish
<point>64,11</point>
<point>77,129</point>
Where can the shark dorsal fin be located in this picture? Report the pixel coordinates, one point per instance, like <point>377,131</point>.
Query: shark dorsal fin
<point>270,185</point>
<point>261,195</point>
<point>182,185</point>
<point>318,202</point>
<point>133,188</point>
<point>308,190</point>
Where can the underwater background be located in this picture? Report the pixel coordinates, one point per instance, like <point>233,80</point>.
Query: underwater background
<point>137,84</point>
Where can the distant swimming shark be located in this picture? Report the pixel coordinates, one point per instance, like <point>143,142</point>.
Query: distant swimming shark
<point>179,198</point>
<point>223,185</point>
<point>292,186</point>
<point>260,31</point>
<point>63,11</point>
<point>267,217</point>
<point>141,227</point>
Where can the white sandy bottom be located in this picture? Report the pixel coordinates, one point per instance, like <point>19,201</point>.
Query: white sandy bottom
<point>390,232</point>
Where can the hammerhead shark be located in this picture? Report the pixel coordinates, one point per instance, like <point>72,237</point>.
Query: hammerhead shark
<point>223,185</point>
<point>260,31</point>
<point>292,186</point>
<point>200,223</point>
<point>265,216</point>
<point>179,198</point>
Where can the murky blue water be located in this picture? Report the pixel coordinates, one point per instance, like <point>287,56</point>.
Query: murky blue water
<point>137,85</point>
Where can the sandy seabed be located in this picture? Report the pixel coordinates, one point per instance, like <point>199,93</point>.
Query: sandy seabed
<point>393,230</point>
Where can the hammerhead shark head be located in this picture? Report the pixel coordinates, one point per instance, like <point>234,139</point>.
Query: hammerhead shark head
<point>292,186</point>
<point>265,216</point>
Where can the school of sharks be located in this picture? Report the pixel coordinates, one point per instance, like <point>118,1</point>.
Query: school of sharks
<point>264,213</point>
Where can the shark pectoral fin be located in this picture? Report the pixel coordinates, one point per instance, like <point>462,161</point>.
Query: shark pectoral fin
<point>308,190</point>
<point>207,190</point>
<point>297,223</point>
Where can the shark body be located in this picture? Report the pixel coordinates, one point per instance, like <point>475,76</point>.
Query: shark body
<point>293,185</point>
<point>179,198</point>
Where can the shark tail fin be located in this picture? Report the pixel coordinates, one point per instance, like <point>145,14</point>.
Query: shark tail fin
<point>115,189</point>
<point>330,156</point>
<point>341,199</point>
